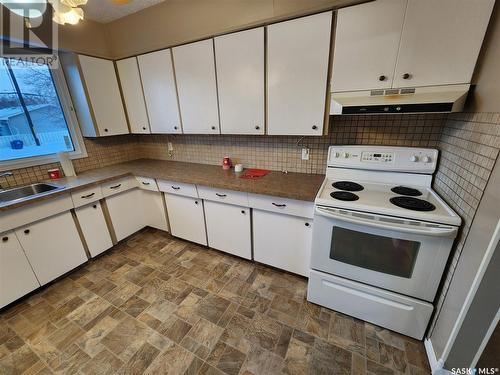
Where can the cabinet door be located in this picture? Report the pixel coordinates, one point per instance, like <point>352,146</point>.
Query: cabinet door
<point>154,209</point>
<point>195,73</point>
<point>282,241</point>
<point>104,95</point>
<point>297,74</point>
<point>94,228</point>
<point>441,41</point>
<point>53,246</point>
<point>228,228</point>
<point>366,45</point>
<point>240,81</point>
<point>125,211</point>
<point>130,81</point>
<point>16,276</point>
<point>186,218</point>
<point>158,82</point>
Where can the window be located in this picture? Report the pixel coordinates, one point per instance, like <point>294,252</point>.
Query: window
<point>36,120</point>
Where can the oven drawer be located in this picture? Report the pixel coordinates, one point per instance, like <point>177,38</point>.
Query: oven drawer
<point>399,313</point>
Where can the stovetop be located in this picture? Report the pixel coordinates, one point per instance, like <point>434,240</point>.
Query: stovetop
<point>376,198</point>
<point>394,181</point>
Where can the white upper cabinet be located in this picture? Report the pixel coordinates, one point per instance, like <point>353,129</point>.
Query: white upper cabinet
<point>195,73</point>
<point>160,93</point>
<point>297,75</point>
<point>104,97</point>
<point>366,45</point>
<point>130,81</point>
<point>408,43</point>
<point>441,41</point>
<point>240,79</point>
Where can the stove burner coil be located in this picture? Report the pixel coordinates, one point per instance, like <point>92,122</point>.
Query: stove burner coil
<point>344,196</point>
<point>347,186</point>
<point>413,204</point>
<point>404,190</point>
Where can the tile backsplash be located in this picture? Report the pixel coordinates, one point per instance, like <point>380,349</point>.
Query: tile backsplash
<point>284,152</point>
<point>469,147</point>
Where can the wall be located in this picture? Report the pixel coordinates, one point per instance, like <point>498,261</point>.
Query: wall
<point>179,21</point>
<point>284,153</point>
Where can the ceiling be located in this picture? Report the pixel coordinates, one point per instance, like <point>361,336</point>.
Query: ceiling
<point>105,11</point>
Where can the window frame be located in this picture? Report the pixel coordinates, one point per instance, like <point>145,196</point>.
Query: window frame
<point>71,121</point>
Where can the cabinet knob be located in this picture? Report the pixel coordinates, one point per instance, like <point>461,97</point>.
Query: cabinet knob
<point>106,130</point>
<point>5,239</point>
<point>213,127</point>
<point>143,128</point>
<point>407,76</point>
<point>307,224</point>
<point>314,127</point>
<point>257,127</point>
<point>195,202</point>
<point>26,231</point>
<point>382,78</point>
<point>95,206</point>
<point>243,212</point>
<point>175,128</point>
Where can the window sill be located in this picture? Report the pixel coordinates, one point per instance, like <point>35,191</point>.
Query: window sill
<point>34,161</point>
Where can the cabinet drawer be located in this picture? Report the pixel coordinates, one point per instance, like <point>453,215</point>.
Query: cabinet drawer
<point>222,195</point>
<point>399,313</point>
<point>147,183</point>
<point>117,186</point>
<point>178,188</point>
<point>281,205</point>
<point>85,196</point>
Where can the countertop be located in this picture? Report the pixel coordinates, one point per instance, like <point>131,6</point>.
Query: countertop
<point>299,186</point>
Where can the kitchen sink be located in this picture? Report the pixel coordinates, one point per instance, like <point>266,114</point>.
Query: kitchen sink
<point>24,192</point>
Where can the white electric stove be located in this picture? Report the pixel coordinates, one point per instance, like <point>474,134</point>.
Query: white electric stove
<point>381,236</point>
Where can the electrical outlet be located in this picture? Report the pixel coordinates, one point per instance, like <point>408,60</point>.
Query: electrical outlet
<point>305,153</point>
<point>170,149</point>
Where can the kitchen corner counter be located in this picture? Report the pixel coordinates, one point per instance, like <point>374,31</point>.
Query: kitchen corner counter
<point>301,186</point>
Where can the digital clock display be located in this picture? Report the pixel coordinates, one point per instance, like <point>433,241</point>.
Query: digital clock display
<point>377,155</point>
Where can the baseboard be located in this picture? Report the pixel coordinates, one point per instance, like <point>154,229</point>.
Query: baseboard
<point>436,365</point>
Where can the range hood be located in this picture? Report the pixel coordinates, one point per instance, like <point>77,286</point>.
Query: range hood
<point>450,98</point>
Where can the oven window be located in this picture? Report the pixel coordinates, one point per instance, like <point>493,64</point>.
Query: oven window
<point>392,256</point>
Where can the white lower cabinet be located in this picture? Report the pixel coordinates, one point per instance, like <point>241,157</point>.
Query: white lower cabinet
<point>94,228</point>
<point>153,209</point>
<point>52,246</point>
<point>228,228</point>
<point>126,213</point>
<point>16,276</point>
<point>282,241</point>
<point>186,218</point>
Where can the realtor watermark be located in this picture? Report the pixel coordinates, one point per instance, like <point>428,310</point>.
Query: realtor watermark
<point>475,371</point>
<point>29,35</point>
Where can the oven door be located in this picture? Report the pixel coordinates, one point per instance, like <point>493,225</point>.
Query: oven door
<point>400,255</point>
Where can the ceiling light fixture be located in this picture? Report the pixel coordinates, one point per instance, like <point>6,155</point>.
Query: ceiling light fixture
<point>67,11</point>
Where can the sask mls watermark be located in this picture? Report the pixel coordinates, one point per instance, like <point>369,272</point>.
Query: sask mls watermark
<point>28,33</point>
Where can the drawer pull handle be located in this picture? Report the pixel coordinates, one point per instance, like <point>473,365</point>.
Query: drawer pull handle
<point>221,195</point>
<point>115,187</point>
<point>26,231</point>
<point>88,195</point>
<point>279,205</point>
<point>5,239</point>
<point>176,187</point>
<point>146,183</point>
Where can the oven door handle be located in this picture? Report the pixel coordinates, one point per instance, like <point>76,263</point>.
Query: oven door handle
<point>441,231</point>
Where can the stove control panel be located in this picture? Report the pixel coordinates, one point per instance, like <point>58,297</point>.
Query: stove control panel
<point>400,159</point>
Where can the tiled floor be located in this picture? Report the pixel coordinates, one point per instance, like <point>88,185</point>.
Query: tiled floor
<point>159,305</point>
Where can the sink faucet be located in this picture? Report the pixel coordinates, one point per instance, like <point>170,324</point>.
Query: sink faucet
<point>5,174</point>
